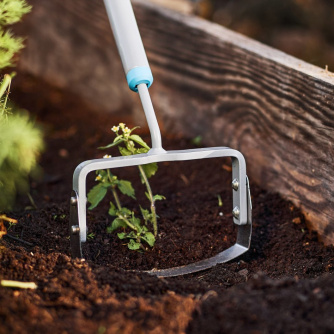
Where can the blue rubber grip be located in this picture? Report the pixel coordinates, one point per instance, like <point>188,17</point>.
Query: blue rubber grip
<point>139,75</point>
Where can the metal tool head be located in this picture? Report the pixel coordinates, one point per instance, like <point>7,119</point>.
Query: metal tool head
<point>240,189</point>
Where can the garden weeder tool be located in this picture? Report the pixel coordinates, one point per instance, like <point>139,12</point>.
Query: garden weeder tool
<point>139,77</point>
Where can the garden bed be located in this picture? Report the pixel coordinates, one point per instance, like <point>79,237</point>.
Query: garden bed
<point>283,284</point>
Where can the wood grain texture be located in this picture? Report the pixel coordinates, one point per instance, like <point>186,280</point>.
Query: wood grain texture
<point>277,110</point>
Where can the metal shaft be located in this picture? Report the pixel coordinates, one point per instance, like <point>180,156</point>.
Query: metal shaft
<point>150,117</point>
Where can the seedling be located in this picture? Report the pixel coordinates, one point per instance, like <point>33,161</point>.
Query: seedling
<point>128,144</point>
<point>91,236</point>
<point>197,141</point>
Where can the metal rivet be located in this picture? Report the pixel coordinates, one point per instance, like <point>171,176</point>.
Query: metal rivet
<point>74,201</point>
<point>75,229</point>
<point>236,212</point>
<point>235,184</point>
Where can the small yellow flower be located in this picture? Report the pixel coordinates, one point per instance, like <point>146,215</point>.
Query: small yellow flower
<point>115,128</point>
<point>106,156</point>
<point>121,125</point>
<point>98,178</point>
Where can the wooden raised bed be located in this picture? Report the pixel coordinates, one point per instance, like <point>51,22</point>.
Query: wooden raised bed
<point>277,110</point>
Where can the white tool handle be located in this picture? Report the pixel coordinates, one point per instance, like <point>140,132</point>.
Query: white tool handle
<point>129,43</point>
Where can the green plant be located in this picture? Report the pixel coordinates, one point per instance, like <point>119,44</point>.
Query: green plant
<point>197,141</point>
<point>11,11</point>
<point>128,144</point>
<point>91,236</point>
<point>20,140</point>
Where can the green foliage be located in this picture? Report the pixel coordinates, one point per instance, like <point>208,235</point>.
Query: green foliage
<point>11,11</point>
<point>197,141</point>
<point>135,230</point>
<point>20,140</point>
<point>126,188</point>
<point>91,236</point>
<point>96,195</point>
<point>20,145</point>
<point>150,170</point>
<point>108,180</point>
<point>9,46</point>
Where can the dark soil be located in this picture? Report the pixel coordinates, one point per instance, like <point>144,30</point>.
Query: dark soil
<point>284,284</point>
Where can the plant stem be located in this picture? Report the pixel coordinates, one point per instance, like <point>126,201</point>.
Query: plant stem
<point>141,245</point>
<point>127,222</point>
<point>5,85</point>
<point>119,207</point>
<point>114,192</point>
<point>118,204</point>
<point>149,191</point>
<point>32,201</point>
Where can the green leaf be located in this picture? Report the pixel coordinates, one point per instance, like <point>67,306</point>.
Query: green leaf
<point>112,210</point>
<point>150,169</point>
<point>12,11</point>
<point>111,145</point>
<point>131,235</point>
<point>124,151</point>
<point>146,214</point>
<point>10,45</point>
<point>139,141</point>
<point>158,198</point>
<point>125,212</point>
<point>117,223</point>
<point>136,222</point>
<point>118,138</point>
<point>126,188</point>
<point>106,184</point>
<point>141,150</point>
<point>149,238</point>
<point>133,245</point>
<point>121,235</point>
<point>96,195</point>
<point>197,141</point>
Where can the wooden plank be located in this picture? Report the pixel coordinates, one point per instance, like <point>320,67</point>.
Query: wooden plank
<point>209,81</point>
